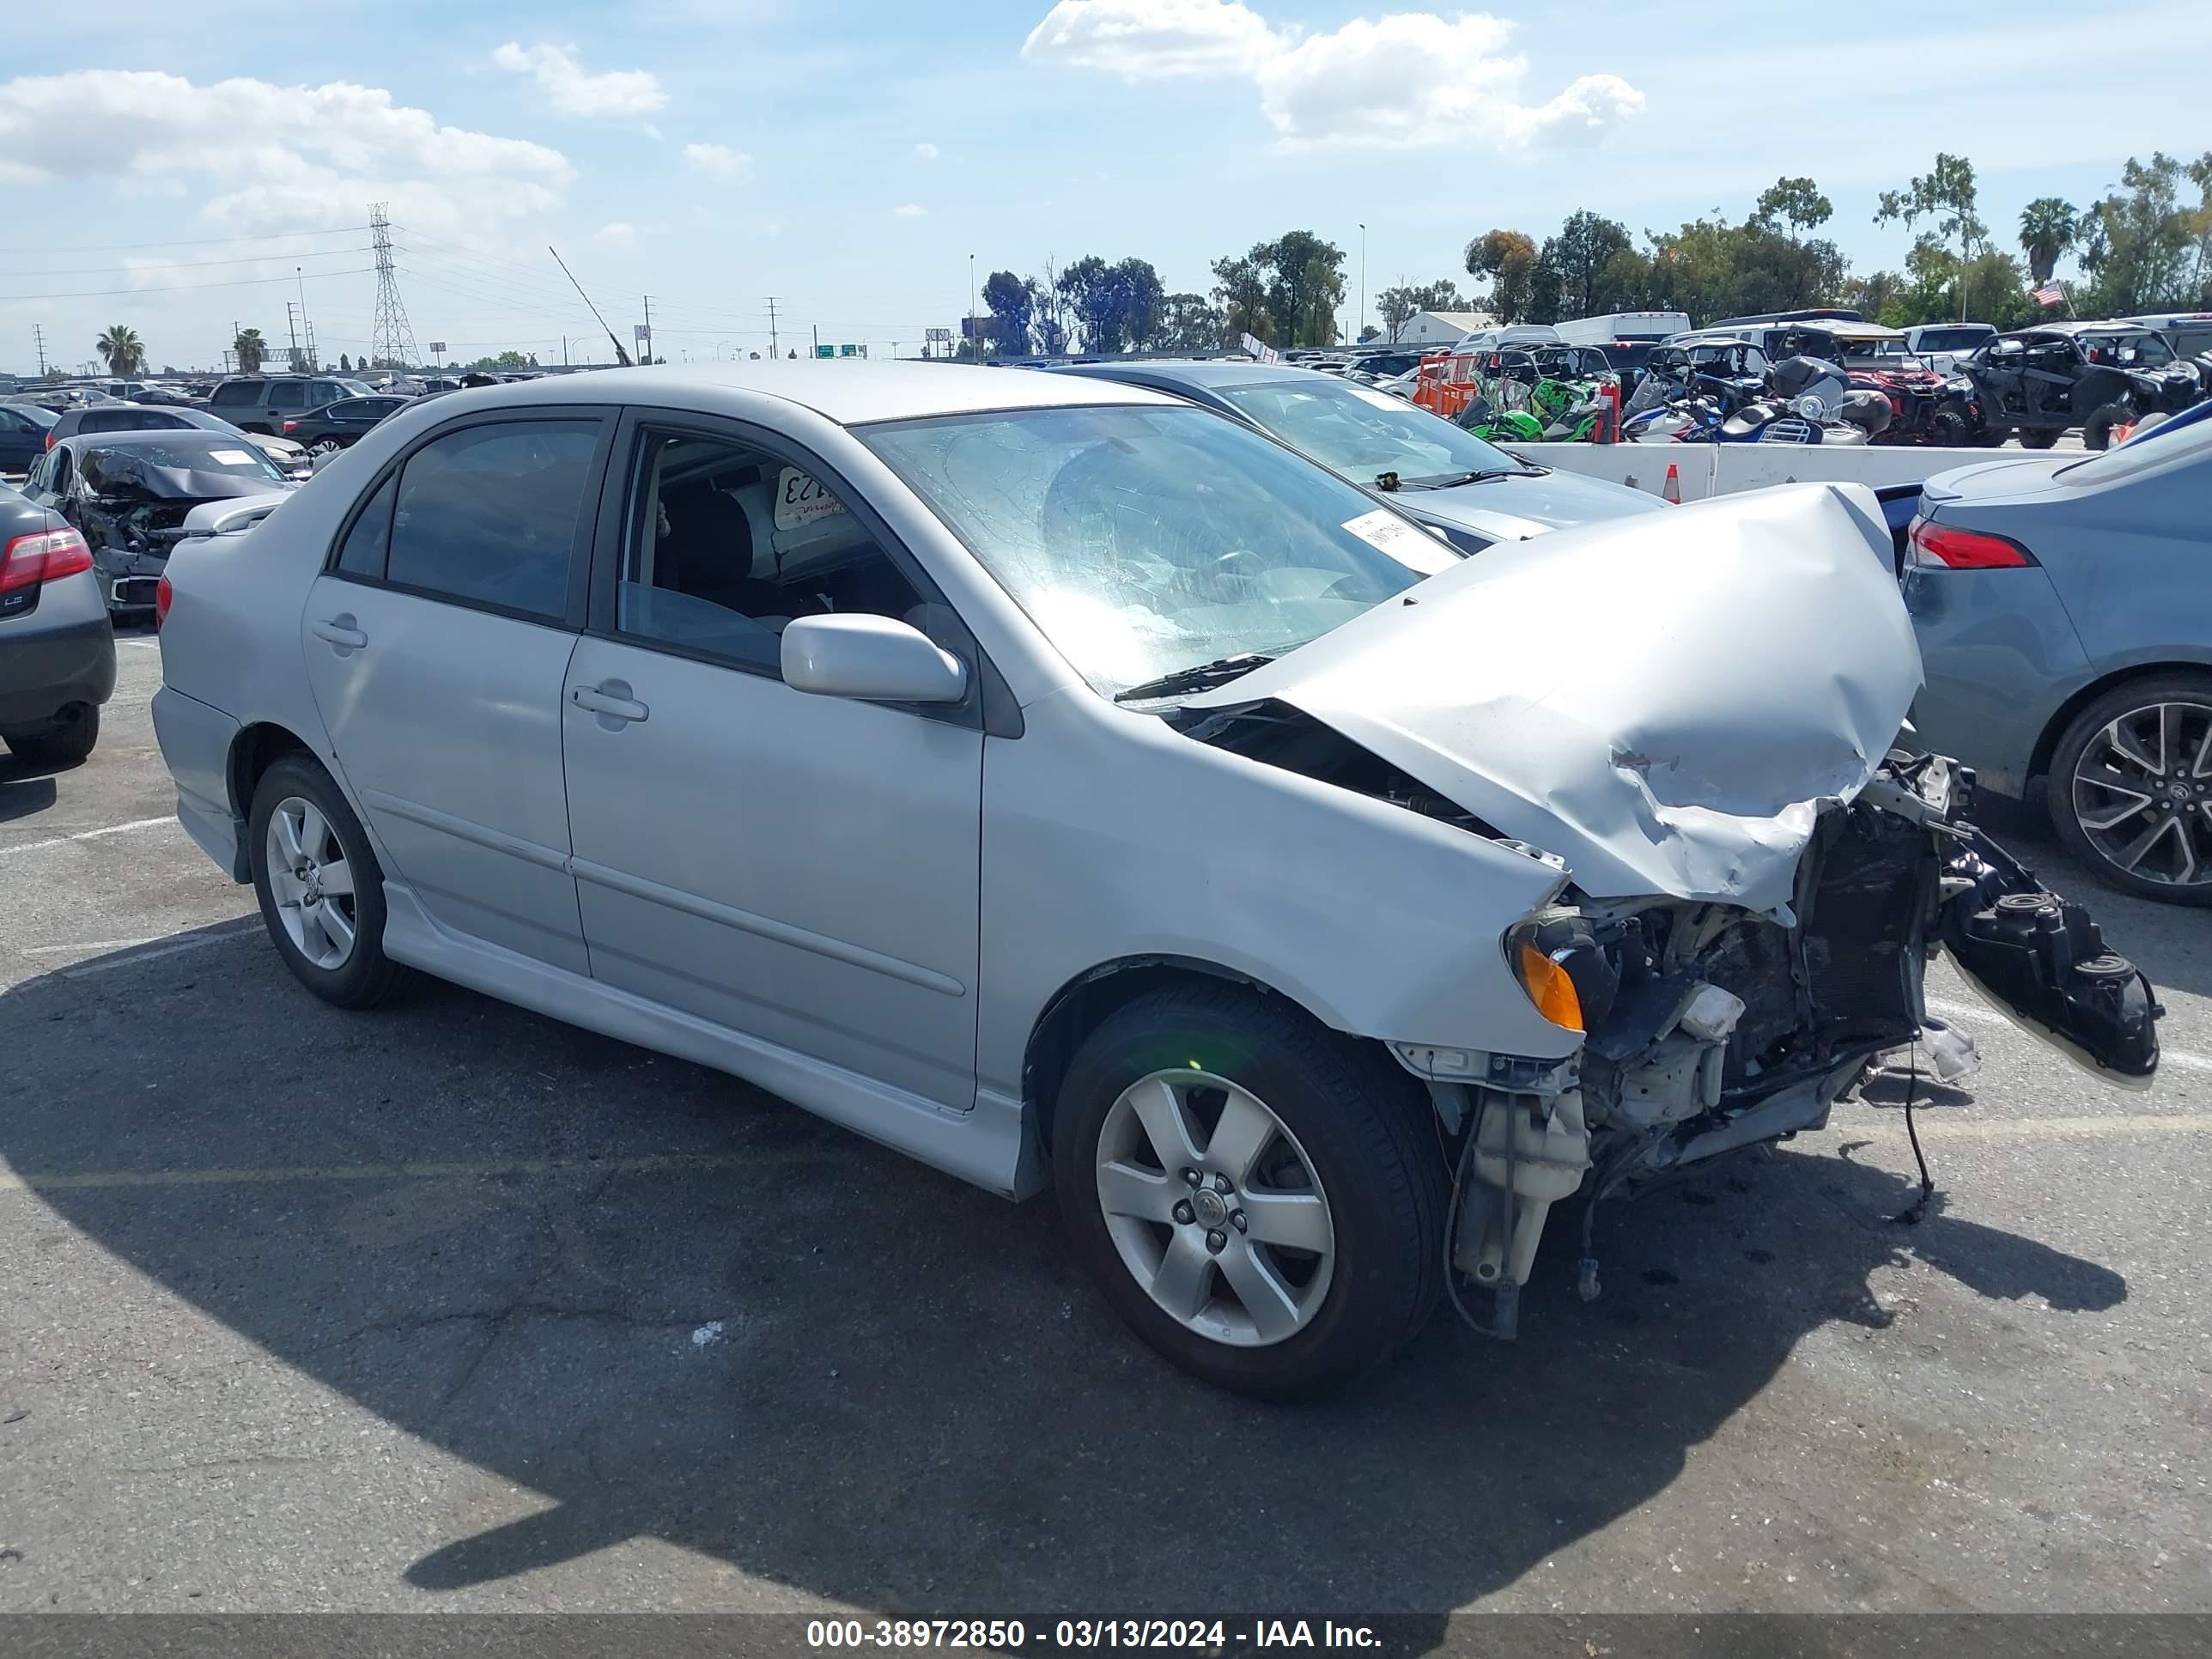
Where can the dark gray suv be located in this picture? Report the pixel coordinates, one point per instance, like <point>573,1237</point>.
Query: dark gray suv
<point>263,402</point>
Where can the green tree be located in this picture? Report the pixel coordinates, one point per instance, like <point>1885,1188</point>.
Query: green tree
<point>1305,286</point>
<point>1013,304</point>
<point>1507,259</point>
<point>1193,323</point>
<point>1946,194</point>
<point>1240,289</point>
<point>1086,286</point>
<point>1139,303</point>
<point>2144,251</point>
<point>2049,226</point>
<point>1796,202</point>
<point>1579,256</point>
<point>250,350</point>
<point>1396,306</point>
<point>120,345</point>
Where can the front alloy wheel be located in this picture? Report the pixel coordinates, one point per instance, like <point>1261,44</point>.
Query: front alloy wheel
<point>1259,1197</point>
<point>1215,1208</point>
<point>2132,789</point>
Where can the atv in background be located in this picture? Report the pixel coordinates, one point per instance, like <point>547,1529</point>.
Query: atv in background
<point>2040,382</point>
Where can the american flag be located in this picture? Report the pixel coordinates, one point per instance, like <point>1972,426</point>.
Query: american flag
<point>2050,294</point>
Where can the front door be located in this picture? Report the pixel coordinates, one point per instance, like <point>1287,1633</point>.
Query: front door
<point>800,868</point>
<point>436,643</point>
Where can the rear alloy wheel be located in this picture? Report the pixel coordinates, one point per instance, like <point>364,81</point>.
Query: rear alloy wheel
<point>2132,788</point>
<point>1250,1190</point>
<point>321,892</point>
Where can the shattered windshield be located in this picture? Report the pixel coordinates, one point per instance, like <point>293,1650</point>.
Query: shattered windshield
<point>156,468</point>
<point>1146,541</point>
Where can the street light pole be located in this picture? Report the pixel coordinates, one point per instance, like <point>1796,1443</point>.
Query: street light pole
<point>974,345</point>
<point>1361,321</point>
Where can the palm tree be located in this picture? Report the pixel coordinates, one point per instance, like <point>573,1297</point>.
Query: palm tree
<point>121,346</point>
<point>2048,227</point>
<point>250,348</point>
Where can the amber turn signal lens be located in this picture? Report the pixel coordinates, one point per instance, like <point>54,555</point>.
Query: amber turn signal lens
<point>1549,988</point>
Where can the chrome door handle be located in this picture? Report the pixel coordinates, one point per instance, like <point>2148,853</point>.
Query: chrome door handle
<point>611,700</point>
<point>340,631</point>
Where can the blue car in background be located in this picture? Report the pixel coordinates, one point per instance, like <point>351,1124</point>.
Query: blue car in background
<point>2064,612</point>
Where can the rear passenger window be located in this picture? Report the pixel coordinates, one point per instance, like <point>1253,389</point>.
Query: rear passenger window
<point>370,538</point>
<point>488,515</point>
<point>233,393</point>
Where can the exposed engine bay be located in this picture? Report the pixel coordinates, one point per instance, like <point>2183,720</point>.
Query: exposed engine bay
<point>130,505</point>
<point>1711,1027</point>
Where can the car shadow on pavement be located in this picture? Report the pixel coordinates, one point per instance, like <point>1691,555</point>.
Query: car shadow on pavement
<point>25,788</point>
<point>671,1307</point>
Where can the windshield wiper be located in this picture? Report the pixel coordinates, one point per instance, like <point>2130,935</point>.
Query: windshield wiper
<point>1480,475</point>
<point>1196,677</point>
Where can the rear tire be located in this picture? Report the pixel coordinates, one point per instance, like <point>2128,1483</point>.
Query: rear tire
<point>306,923</point>
<point>2097,431</point>
<point>1947,429</point>
<point>2041,438</point>
<point>1326,1118</point>
<point>2100,789</point>
<point>68,742</point>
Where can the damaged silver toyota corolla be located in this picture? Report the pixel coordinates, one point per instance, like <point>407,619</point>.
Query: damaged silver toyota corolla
<point>1066,785</point>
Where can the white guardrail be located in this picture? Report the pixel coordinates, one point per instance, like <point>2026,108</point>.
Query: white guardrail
<point>1704,470</point>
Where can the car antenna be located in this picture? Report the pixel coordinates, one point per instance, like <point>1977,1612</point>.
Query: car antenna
<point>621,357</point>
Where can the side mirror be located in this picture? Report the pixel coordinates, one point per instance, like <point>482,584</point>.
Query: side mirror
<point>870,659</point>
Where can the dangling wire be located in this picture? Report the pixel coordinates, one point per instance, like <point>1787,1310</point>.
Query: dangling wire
<point>1911,1213</point>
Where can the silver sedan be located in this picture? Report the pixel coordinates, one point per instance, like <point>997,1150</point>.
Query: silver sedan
<point>1070,786</point>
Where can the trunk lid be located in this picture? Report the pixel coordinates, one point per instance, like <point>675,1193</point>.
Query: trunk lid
<point>1663,700</point>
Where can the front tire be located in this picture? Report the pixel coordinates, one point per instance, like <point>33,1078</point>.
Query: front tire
<point>2039,438</point>
<point>2126,794</point>
<point>322,890</point>
<point>1309,1246</point>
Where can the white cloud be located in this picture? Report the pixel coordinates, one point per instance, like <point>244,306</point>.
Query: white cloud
<point>256,155</point>
<point>927,152</point>
<point>910,210</point>
<point>1149,39</point>
<point>572,92</point>
<point>616,234</point>
<point>1403,80</point>
<point>718,161</point>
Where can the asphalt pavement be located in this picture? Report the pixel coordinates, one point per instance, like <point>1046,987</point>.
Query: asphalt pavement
<point>450,1307</point>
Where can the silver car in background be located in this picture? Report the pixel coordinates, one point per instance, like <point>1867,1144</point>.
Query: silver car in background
<point>1067,786</point>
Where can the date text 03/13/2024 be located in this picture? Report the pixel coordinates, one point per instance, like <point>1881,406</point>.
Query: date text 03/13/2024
<point>1214,1637</point>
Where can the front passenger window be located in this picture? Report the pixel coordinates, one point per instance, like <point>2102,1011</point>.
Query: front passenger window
<point>725,544</point>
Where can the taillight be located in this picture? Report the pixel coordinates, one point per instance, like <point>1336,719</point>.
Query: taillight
<point>42,556</point>
<point>162,595</point>
<point>290,427</point>
<point>1948,547</point>
<point>50,437</point>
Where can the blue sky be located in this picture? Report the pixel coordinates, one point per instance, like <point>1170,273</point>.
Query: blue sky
<point>847,155</point>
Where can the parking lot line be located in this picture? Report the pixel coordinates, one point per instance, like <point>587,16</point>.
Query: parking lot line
<point>154,950</point>
<point>89,834</point>
<point>650,1164</point>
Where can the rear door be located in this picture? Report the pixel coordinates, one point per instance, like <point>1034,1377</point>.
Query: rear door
<point>801,868</point>
<point>436,641</point>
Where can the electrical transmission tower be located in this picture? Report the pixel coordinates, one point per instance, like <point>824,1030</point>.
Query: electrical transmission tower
<point>392,339</point>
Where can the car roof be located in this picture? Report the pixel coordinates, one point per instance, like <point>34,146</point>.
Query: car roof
<point>849,393</point>
<point>1194,372</point>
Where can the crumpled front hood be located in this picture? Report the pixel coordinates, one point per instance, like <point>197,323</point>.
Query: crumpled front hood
<point>1661,701</point>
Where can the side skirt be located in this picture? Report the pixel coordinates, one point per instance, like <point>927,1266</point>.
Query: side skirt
<point>995,1144</point>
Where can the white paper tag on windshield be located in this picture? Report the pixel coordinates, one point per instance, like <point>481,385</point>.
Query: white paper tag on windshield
<point>800,498</point>
<point>1380,400</point>
<point>230,458</point>
<point>1403,541</point>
